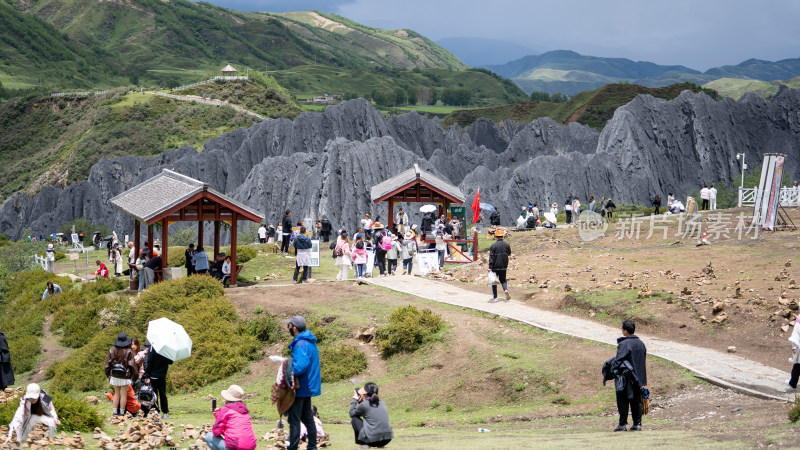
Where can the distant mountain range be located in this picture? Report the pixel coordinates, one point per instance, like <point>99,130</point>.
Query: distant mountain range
<point>569,72</point>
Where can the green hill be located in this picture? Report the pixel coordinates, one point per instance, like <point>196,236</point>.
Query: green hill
<point>737,87</point>
<point>55,141</point>
<point>592,108</point>
<point>154,42</point>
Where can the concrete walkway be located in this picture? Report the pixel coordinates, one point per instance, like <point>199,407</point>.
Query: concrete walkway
<point>723,369</point>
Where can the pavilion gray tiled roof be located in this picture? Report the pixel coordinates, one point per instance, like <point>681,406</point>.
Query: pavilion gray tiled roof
<point>163,192</point>
<point>407,176</point>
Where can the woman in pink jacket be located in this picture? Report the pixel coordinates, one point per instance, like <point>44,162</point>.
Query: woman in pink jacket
<point>232,428</point>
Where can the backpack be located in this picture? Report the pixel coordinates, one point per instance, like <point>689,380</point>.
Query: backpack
<point>118,370</point>
<point>339,251</point>
<point>386,243</point>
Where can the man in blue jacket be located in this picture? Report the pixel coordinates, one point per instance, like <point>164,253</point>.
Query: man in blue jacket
<point>305,366</point>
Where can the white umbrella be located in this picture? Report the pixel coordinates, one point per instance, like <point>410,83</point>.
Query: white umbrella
<point>428,208</point>
<point>169,339</point>
<point>550,216</point>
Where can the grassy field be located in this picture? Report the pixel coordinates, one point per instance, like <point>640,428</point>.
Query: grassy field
<point>736,87</point>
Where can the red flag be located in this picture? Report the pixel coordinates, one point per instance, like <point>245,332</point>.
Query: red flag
<point>476,207</point>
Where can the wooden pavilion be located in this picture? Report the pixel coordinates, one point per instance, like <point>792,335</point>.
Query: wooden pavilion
<point>171,197</point>
<point>228,70</point>
<point>417,186</point>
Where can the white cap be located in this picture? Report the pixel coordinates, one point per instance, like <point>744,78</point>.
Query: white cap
<point>33,391</point>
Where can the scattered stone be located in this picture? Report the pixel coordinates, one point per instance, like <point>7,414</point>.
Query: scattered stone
<point>92,399</point>
<point>708,271</point>
<point>785,328</point>
<point>645,291</point>
<point>738,292</point>
<point>567,288</point>
<point>367,335</point>
<point>686,291</point>
<point>788,263</point>
<point>732,349</point>
<point>720,318</point>
<point>718,307</point>
<point>792,285</point>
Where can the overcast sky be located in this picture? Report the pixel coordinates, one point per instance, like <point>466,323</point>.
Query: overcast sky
<point>696,33</point>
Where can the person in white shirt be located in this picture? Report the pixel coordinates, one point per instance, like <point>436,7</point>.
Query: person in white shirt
<point>262,234</point>
<point>226,270</point>
<point>705,195</point>
<point>401,221</point>
<point>712,197</point>
<point>670,199</point>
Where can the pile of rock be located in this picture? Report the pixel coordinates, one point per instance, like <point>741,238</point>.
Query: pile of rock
<point>280,436</point>
<point>142,433</point>
<point>10,395</point>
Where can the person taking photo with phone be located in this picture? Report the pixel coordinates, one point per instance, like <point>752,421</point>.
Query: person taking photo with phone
<point>232,428</point>
<point>370,418</point>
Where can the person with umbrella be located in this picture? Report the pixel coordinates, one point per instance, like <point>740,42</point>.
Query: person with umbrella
<point>169,342</point>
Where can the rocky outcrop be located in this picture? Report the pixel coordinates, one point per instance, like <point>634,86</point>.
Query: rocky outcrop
<point>325,163</point>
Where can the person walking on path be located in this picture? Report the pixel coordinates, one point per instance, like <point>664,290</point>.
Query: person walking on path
<point>657,204</point>
<point>366,225</point>
<point>370,418</point>
<point>342,252</point>
<point>302,249</point>
<point>232,428</point>
<point>705,195</point>
<point>34,407</point>
<point>306,369</point>
<point>712,198</point>
<point>441,246</point>
<point>188,260</point>
<point>576,208</point>
<point>408,250</point>
<point>630,365</point>
<point>200,260</point>
<point>286,232</point>
<point>52,289</point>
<point>155,374</point>
<point>359,255</point>
<point>121,371</point>
<point>262,234</point>
<point>592,204</point>
<point>118,260</point>
<point>499,253</point>
<point>6,371</point>
<point>568,210</point>
<point>392,255</point>
<point>327,229</point>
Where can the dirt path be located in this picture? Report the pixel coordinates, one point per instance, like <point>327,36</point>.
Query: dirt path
<point>728,370</point>
<point>52,351</point>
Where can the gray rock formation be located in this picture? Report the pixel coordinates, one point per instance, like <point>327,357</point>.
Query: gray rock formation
<point>325,163</point>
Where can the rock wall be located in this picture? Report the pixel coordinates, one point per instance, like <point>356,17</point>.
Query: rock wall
<point>326,163</point>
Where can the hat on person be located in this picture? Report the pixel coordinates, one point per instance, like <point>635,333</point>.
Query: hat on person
<point>499,232</point>
<point>299,322</point>
<point>122,340</point>
<point>343,233</point>
<point>233,394</point>
<point>409,235</point>
<point>33,391</point>
<point>49,246</point>
<point>377,226</point>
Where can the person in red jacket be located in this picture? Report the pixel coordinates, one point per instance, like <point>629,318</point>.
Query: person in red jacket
<point>131,405</point>
<point>102,271</point>
<point>232,428</point>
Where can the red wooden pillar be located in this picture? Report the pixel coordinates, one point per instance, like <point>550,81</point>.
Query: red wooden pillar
<point>164,244</point>
<point>390,221</point>
<point>234,227</point>
<point>216,238</point>
<point>200,233</point>
<point>150,236</point>
<point>136,239</point>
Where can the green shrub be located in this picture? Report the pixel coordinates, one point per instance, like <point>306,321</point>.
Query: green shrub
<point>84,369</point>
<point>407,330</point>
<point>168,298</point>
<point>75,414</point>
<point>265,327</point>
<point>340,362</point>
<point>244,254</point>
<point>793,411</point>
<point>59,255</point>
<point>177,256</point>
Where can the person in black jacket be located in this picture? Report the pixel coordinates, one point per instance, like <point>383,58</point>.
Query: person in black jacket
<point>631,349</point>
<point>499,253</point>
<point>327,229</point>
<point>494,219</point>
<point>189,254</point>
<point>286,231</point>
<point>155,373</point>
<point>6,371</point>
<point>657,204</point>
